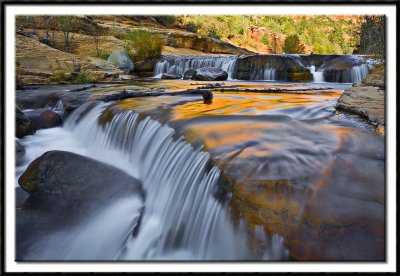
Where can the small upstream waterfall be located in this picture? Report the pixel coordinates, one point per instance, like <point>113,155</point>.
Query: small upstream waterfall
<point>356,74</point>
<point>182,220</point>
<point>263,73</point>
<point>270,67</point>
<point>353,75</point>
<point>179,65</point>
<point>318,76</point>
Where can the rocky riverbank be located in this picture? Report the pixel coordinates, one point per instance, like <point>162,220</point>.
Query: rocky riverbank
<point>367,99</point>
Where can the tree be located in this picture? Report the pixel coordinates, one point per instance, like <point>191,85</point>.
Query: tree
<point>275,43</point>
<point>265,39</point>
<point>213,32</point>
<point>142,44</point>
<point>293,45</point>
<point>48,22</point>
<point>372,36</point>
<point>67,24</point>
<point>97,32</point>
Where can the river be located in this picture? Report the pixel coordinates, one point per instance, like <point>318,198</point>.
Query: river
<point>247,176</point>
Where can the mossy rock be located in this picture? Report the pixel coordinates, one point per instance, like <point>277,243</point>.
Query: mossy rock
<point>300,77</point>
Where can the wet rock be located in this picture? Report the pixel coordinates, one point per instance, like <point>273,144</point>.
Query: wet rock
<point>70,183</point>
<point>121,60</point>
<point>287,68</point>
<point>376,77</point>
<point>24,125</point>
<point>170,76</point>
<point>20,153</point>
<point>210,74</point>
<point>366,101</point>
<point>207,95</point>
<point>44,118</point>
<point>189,74</point>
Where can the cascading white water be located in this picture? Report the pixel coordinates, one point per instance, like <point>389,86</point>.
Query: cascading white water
<point>182,219</point>
<point>318,76</point>
<point>356,73</point>
<point>179,65</point>
<point>266,72</point>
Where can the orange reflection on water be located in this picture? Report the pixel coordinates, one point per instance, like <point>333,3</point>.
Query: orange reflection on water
<point>249,104</point>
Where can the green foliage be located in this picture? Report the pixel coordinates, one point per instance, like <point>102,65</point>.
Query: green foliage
<point>142,44</point>
<point>265,39</point>
<point>67,23</point>
<point>58,76</point>
<point>103,55</point>
<point>191,27</point>
<point>166,20</point>
<point>322,33</point>
<point>81,78</point>
<point>213,32</point>
<point>292,45</point>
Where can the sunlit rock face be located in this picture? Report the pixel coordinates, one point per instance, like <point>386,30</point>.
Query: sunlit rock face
<point>295,166</point>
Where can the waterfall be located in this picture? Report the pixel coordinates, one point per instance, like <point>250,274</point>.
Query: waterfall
<point>353,75</point>
<point>318,76</point>
<point>182,219</point>
<point>178,65</point>
<point>263,73</point>
<point>271,67</point>
<point>356,73</point>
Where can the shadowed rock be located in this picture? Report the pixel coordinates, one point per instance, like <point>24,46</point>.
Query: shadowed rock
<point>24,125</point>
<point>210,74</point>
<point>44,118</point>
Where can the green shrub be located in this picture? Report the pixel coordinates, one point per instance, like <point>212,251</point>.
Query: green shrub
<point>58,76</point>
<point>265,39</point>
<point>104,55</point>
<point>81,78</point>
<point>293,45</point>
<point>213,32</point>
<point>142,44</point>
<point>191,27</point>
<point>166,20</point>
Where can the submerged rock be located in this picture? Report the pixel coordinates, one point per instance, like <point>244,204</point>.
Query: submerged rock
<point>207,95</point>
<point>44,118</point>
<point>121,60</point>
<point>210,74</point>
<point>24,125</point>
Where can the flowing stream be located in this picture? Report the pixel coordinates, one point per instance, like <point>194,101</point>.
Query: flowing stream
<point>182,218</point>
<point>305,181</point>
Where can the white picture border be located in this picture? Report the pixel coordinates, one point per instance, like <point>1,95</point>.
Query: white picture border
<point>11,266</point>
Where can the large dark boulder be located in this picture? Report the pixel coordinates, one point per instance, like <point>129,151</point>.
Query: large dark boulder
<point>210,74</point>
<point>44,118</point>
<point>61,190</point>
<point>189,74</point>
<point>24,125</point>
<point>68,182</point>
<point>170,76</point>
